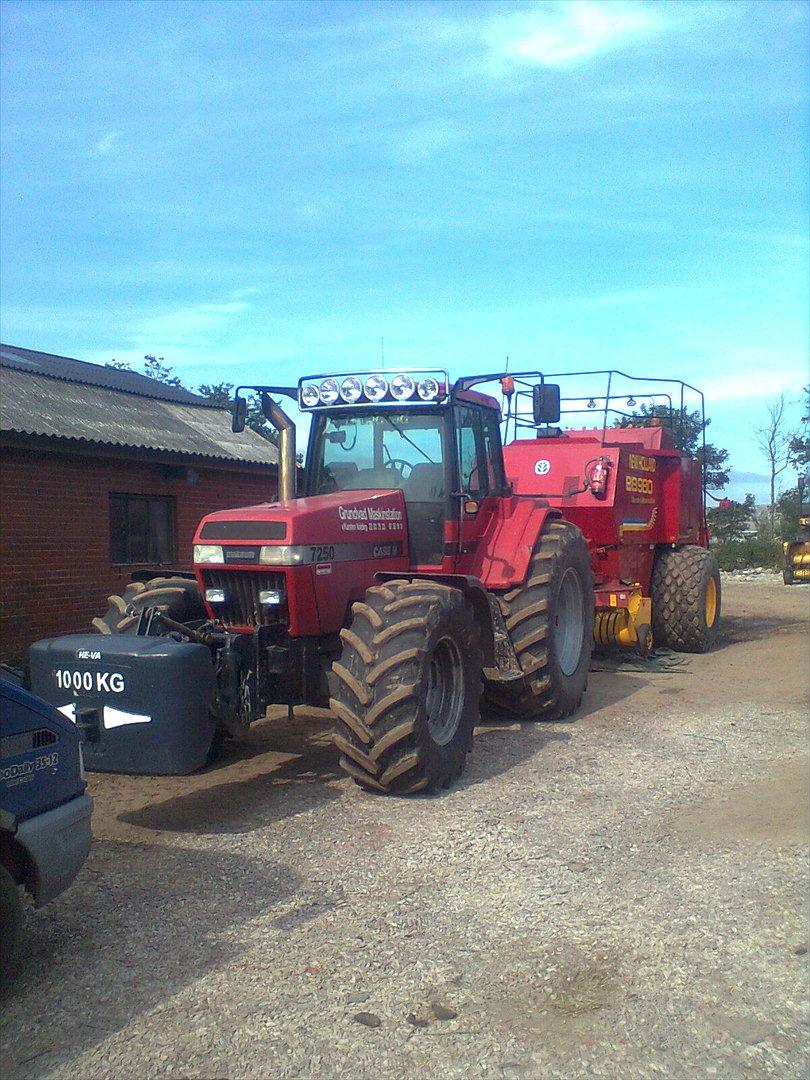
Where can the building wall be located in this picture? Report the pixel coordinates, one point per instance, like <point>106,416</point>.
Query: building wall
<point>55,570</point>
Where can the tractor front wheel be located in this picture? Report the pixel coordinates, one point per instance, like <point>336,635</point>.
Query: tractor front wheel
<point>685,599</point>
<point>406,689</point>
<point>177,597</point>
<point>550,620</point>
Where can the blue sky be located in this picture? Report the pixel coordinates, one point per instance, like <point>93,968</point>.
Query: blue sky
<point>256,191</point>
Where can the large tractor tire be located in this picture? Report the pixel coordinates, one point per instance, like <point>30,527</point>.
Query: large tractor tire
<point>177,597</point>
<point>406,690</point>
<point>550,620</point>
<point>685,599</point>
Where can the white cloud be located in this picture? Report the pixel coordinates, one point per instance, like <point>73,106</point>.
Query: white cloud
<point>422,141</point>
<point>106,144</point>
<point>175,327</point>
<point>771,374</point>
<point>566,33</point>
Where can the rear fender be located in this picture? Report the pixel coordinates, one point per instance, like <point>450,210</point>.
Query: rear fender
<point>474,592</point>
<point>502,556</point>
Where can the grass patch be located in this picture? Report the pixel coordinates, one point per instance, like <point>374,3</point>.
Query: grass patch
<point>745,554</point>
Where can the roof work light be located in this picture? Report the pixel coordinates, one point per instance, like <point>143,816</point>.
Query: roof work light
<point>416,387</point>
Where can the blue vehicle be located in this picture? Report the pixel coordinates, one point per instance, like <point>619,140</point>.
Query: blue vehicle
<point>44,810</point>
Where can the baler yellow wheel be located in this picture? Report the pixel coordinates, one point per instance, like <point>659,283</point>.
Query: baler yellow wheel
<point>711,602</point>
<point>686,597</point>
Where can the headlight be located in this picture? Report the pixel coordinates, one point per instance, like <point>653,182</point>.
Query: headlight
<point>215,596</point>
<point>271,596</point>
<point>428,389</point>
<point>351,389</point>
<point>204,553</point>
<point>402,387</point>
<point>310,395</point>
<point>329,391</point>
<point>376,387</point>
<point>281,555</point>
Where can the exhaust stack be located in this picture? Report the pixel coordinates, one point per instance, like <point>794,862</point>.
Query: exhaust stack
<point>286,448</point>
<point>283,425</point>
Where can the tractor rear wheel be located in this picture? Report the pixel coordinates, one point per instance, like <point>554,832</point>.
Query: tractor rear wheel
<point>685,592</point>
<point>406,690</point>
<point>177,597</point>
<point>550,620</point>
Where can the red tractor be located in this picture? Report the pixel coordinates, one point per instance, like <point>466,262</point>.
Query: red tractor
<point>421,564</point>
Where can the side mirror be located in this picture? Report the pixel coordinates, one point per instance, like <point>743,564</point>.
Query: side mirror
<point>239,414</point>
<point>546,403</point>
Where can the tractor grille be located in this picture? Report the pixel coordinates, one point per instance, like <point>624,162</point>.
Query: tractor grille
<point>242,588</point>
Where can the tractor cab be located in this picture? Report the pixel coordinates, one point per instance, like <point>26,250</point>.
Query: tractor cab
<point>410,431</point>
<point>407,433</point>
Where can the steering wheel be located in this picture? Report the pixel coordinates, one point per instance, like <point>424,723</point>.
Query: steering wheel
<point>400,465</point>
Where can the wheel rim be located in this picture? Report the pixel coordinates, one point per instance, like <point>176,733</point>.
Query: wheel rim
<point>445,693</point>
<point>711,602</point>
<point>569,623</point>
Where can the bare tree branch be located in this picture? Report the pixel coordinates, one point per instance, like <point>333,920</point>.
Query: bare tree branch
<point>773,439</point>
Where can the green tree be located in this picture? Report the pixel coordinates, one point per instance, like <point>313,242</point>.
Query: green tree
<point>217,393</point>
<point>154,367</point>
<point>729,520</point>
<point>788,513</point>
<point>688,428</point>
<point>799,446</point>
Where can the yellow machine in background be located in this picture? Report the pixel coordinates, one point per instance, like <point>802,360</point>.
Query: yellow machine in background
<point>797,552</point>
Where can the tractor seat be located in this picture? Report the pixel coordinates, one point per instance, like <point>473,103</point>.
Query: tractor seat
<point>381,479</point>
<point>425,483</point>
<point>342,472</point>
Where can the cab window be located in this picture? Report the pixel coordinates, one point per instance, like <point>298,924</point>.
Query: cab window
<point>480,460</point>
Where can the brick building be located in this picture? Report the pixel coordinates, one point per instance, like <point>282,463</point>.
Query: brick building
<point>104,473</point>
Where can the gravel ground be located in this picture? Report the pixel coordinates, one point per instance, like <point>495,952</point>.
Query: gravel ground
<point>624,895</point>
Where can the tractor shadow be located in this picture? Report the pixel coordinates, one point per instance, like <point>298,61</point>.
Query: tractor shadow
<point>278,770</point>
<point>736,629</point>
<point>141,924</point>
<point>502,743</point>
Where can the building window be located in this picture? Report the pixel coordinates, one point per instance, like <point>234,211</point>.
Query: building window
<point>141,529</point>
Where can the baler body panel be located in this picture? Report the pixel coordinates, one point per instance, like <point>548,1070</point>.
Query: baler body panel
<point>652,494</point>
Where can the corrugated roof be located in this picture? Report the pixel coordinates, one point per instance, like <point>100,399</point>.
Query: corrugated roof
<point>34,403</point>
<point>63,367</point>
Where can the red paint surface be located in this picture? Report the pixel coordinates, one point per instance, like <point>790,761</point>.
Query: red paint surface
<point>652,497</point>
<point>318,603</point>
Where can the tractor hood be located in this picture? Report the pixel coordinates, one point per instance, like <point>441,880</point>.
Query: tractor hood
<point>312,557</point>
<point>341,517</point>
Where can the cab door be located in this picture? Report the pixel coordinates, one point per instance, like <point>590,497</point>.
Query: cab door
<point>482,479</point>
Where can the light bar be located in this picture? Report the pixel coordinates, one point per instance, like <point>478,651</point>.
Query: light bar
<point>414,386</point>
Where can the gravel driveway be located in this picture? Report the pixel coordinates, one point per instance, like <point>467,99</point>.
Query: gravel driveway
<point>623,895</point>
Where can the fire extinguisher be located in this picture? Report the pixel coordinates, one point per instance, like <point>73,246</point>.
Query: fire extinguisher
<point>599,477</point>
